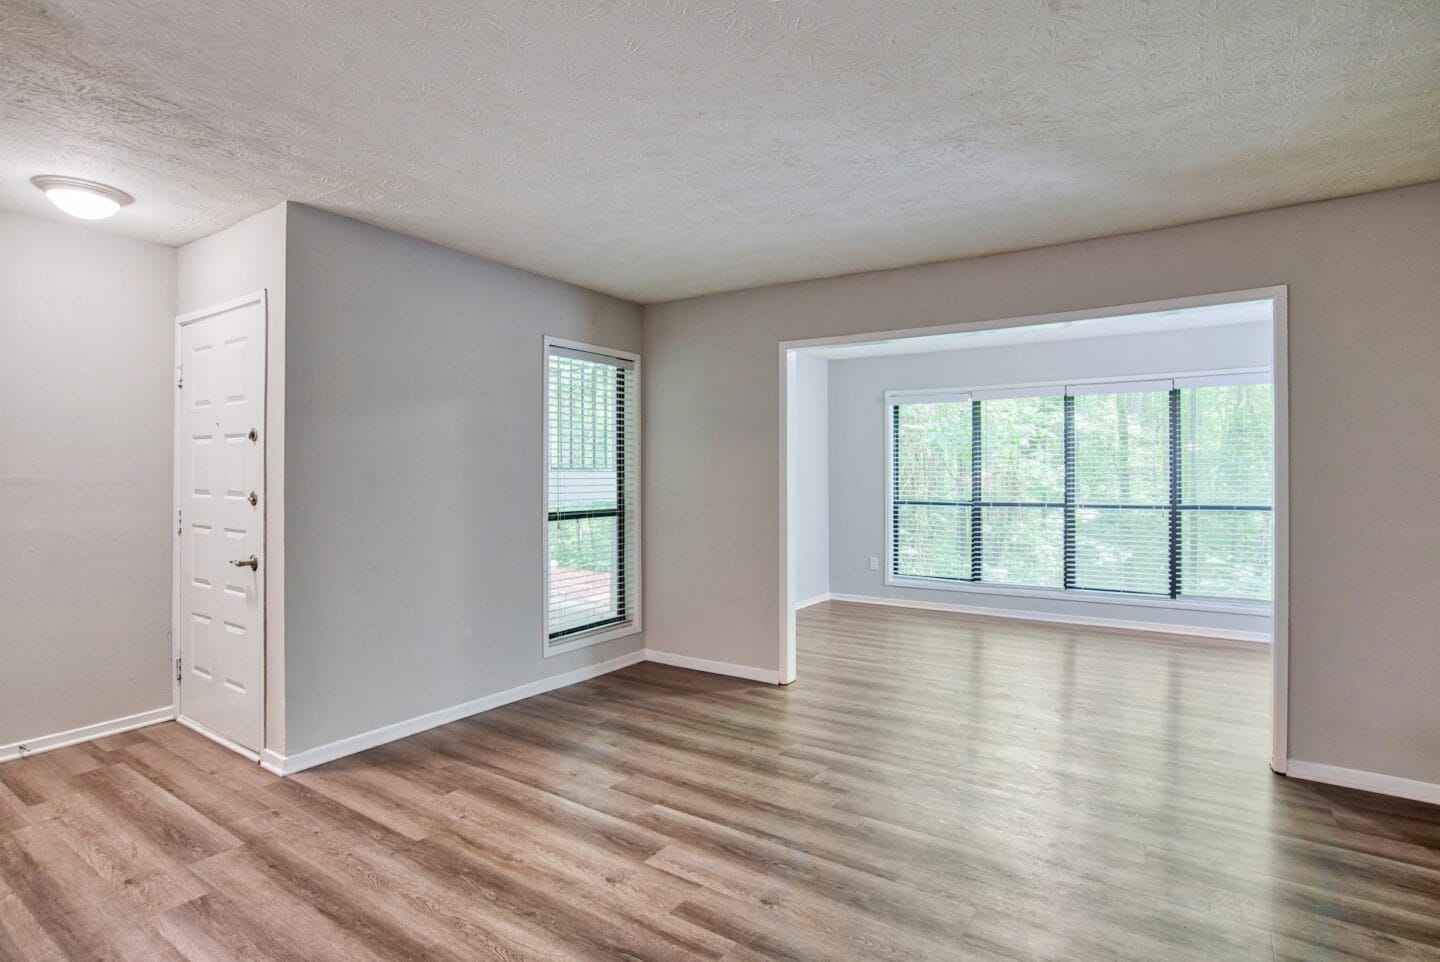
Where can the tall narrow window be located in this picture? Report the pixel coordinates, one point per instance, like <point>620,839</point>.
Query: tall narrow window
<point>1226,524</point>
<point>591,524</point>
<point>1121,455</point>
<point>1022,489</point>
<point>932,508</point>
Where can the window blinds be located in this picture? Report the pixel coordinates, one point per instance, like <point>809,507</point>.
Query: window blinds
<point>1153,488</point>
<point>1120,514</point>
<point>1226,525</point>
<point>932,505</point>
<point>591,496</point>
<point>1022,489</point>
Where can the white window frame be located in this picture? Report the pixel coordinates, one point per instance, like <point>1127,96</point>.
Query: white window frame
<point>1249,375</point>
<point>632,625</point>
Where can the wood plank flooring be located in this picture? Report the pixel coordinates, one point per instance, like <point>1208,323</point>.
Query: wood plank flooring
<point>933,787</point>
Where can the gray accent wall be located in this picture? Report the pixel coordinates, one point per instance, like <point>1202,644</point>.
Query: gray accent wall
<point>859,439</point>
<point>414,474</point>
<point>86,402</point>
<point>1364,297</point>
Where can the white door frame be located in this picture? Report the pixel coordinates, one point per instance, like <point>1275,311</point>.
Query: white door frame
<point>1280,618</point>
<point>245,300</point>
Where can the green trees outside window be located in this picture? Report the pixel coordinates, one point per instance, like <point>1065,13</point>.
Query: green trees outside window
<point>1139,490</point>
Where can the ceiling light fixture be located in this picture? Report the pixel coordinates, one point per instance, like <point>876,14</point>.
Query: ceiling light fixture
<point>82,198</point>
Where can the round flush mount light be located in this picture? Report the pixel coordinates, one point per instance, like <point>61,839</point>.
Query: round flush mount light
<point>82,198</point>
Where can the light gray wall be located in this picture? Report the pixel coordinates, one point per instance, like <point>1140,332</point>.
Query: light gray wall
<point>240,260</point>
<point>859,441</point>
<point>809,457</point>
<point>1365,400</point>
<point>86,396</point>
<point>414,474</point>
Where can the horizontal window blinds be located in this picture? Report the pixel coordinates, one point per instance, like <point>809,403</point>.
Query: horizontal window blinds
<point>1143,488</point>
<point>1226,525</point>
<point>1022,490</point>
<point>590,492</point>
<point>1120,464</point>
<point>933,485</point>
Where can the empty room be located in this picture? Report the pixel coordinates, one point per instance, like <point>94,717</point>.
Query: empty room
<point>799,479</point>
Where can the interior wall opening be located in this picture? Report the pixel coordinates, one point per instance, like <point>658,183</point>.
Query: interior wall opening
<point>1117,469</point>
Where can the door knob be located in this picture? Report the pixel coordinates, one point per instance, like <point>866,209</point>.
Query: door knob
<point>252,562</point>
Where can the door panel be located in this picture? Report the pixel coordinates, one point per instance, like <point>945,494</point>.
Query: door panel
<point>222,513</point>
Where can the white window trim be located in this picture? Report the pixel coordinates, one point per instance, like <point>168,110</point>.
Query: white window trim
<point>1209,378</point>
<point>1003,393</point>
<point>1237,607</point>
<point>632,469</point>
<point>1249,375</point>
<point>1080,389</point>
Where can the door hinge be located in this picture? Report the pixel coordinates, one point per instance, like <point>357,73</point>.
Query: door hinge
<point>179,376</point>
<point>179,522</point>
<point>177,669</point>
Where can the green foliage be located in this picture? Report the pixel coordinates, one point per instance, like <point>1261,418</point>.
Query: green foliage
<point>934,541</point>
<point>1226,554</point>
<point>1122,448</point>
<point>1023,546</point>
<point>1122,456</point>
<point>1024,449</point>
<point>587,543</point>
<point>1226,444</point>
<point>1226,458</point>
<point>1123,550</point>
<point>934,452</point>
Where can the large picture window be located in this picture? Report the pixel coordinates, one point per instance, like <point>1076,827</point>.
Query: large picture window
<point>1158,488</point>
<point>591,465</point>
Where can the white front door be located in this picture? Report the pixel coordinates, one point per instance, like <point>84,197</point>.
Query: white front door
<point>221,505</point>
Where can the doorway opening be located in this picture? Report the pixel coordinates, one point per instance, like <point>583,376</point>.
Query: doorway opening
<point>1117,468</point>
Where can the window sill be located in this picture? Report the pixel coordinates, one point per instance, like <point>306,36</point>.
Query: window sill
<point>1257,608</point>
<point>586,639</point>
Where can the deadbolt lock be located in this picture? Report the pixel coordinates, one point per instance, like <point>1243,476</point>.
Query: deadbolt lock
<point>253,499</point>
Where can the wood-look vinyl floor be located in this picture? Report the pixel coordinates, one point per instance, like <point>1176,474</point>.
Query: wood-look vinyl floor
<point>933,787</point>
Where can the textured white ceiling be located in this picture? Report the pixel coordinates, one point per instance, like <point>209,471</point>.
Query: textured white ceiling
<point>663,148</point>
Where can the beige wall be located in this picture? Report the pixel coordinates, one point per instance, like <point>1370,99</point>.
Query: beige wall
<point>86,394</point>
<point>240,260</point>
<point>1364,299</point>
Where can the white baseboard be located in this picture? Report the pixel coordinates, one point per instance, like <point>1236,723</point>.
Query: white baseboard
<point>747,672</point>
<point>290,764</point>
<point>1364,781</point>
<point>272,761</point>
<point>812,601</point>
<point>46,743</point>
<point>1224,634</point>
